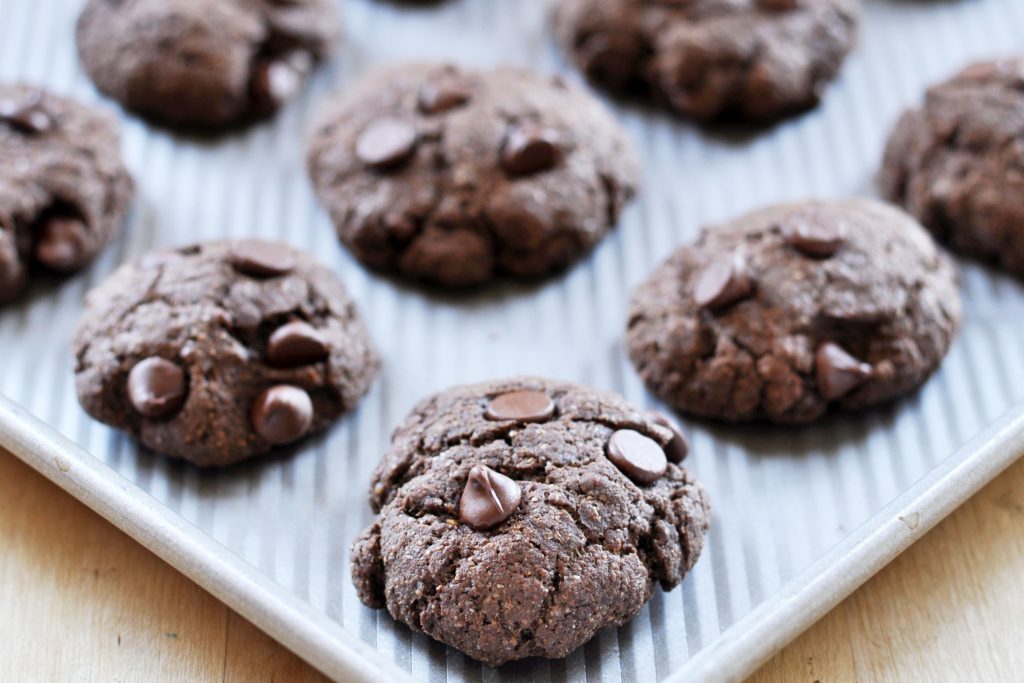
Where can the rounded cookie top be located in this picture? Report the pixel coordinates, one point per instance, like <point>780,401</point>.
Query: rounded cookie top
<point>64,189</point>
<point>712,59</point>
<point>204,63</point>
<point>218,352</point>
<point>780,313</point>
<point>519,517</point>
<point>957,162</point>
<point>453,176</point>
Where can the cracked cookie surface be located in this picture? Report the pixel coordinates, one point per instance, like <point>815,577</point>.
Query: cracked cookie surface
<point>64,189</point>
<point>712,59</point>
<point>204,64</point>
<point>587,526</point>
<point>454,176</point>
<point>957,162</point>
<point>787,310</point>
<point>217,352</point>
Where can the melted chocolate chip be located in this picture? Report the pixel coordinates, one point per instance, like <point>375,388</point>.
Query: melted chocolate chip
<point>522,406</point>
<point>61,243</point>
<point>282,414</point>
<point>722,282</point>
<point>488,499</point>
<point>261,259</point>
<point>530,149</point>
<point>439,96</point>
<point>296,343</point>
<point>639,457</point>
<point>156,387</point>
<point>27,115</point>
<point>838,372</point>
<point>815,236</point>
<point>678,448</point>
<point>386,143</point>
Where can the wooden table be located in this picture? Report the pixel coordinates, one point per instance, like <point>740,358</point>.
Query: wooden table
<point>81,601</point>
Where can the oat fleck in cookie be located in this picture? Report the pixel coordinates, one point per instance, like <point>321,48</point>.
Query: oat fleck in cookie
<point>783,312</point>
<point>64,189</point>
<point>519,517</point>
<point>712,59</point>
<point>957,162</point>
<point>217,352</point>
<point>453,176</point>
<point>205,64</point>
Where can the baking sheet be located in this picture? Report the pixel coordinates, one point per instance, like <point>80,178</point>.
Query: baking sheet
<point>800,516</point>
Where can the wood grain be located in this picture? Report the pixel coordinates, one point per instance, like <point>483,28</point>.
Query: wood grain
<point>951,608</point>
<point>80,601</point>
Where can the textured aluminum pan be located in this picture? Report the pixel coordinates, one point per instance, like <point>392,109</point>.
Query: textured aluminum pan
<point>801,516</point>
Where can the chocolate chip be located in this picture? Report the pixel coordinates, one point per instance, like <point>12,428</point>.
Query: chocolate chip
<point>296,343</point>
<point>980,71</point>
<point>639,457</point>
<point>26,115</point>
<point>261,259</point>
<point>488,499</point>
<point>530,149</point>
<point>838,372</point>
<point>156,387</point>
<point>522,406</point>
<point>276,81</point>
<point>722,282</point>
<point>282,414</point>
<point>678,448</point>
<point>815,236</point>
<point>778,5</point>
<point>386,143</point>
<point>439,96</point>
<point>61,243</point>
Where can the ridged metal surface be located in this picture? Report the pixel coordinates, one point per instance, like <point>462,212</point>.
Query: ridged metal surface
<point>782,498</point>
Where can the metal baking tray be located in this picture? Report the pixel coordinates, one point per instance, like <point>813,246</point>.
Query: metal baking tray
<point>801,516</point>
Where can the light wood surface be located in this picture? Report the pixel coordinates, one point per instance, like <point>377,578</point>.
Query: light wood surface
<point>80,601</point>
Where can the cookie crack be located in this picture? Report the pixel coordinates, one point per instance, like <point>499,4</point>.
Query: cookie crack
<point>552,586</point>
<point>427,593</point>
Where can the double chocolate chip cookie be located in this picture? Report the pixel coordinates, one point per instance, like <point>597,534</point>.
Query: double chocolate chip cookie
<point>785,311</point>
<point>712,59</point>
<point>957,163</point>
<point>218,352</point>
<point>204,63</point>
<point>64,190</point>
<point>520,517</point>
<point>453,176</point>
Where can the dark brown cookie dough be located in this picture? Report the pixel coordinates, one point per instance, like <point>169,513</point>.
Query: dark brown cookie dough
<point>785,311</point>
<point>453,176</point>
<point>204,63</point>
<point>64,190</point>
<point>218,352</point>
<point>519,525</point>
<point>712,59</point>
<point>957,163</point>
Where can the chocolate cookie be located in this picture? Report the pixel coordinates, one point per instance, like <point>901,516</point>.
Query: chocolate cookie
<point>64,190</point>
<point>785,311</point>
<point>204,63</point>
<point>218,352</point>
<point>712,59</point>
<point>520,517</point>
<point>957,163</point>
<point>453,176</point>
